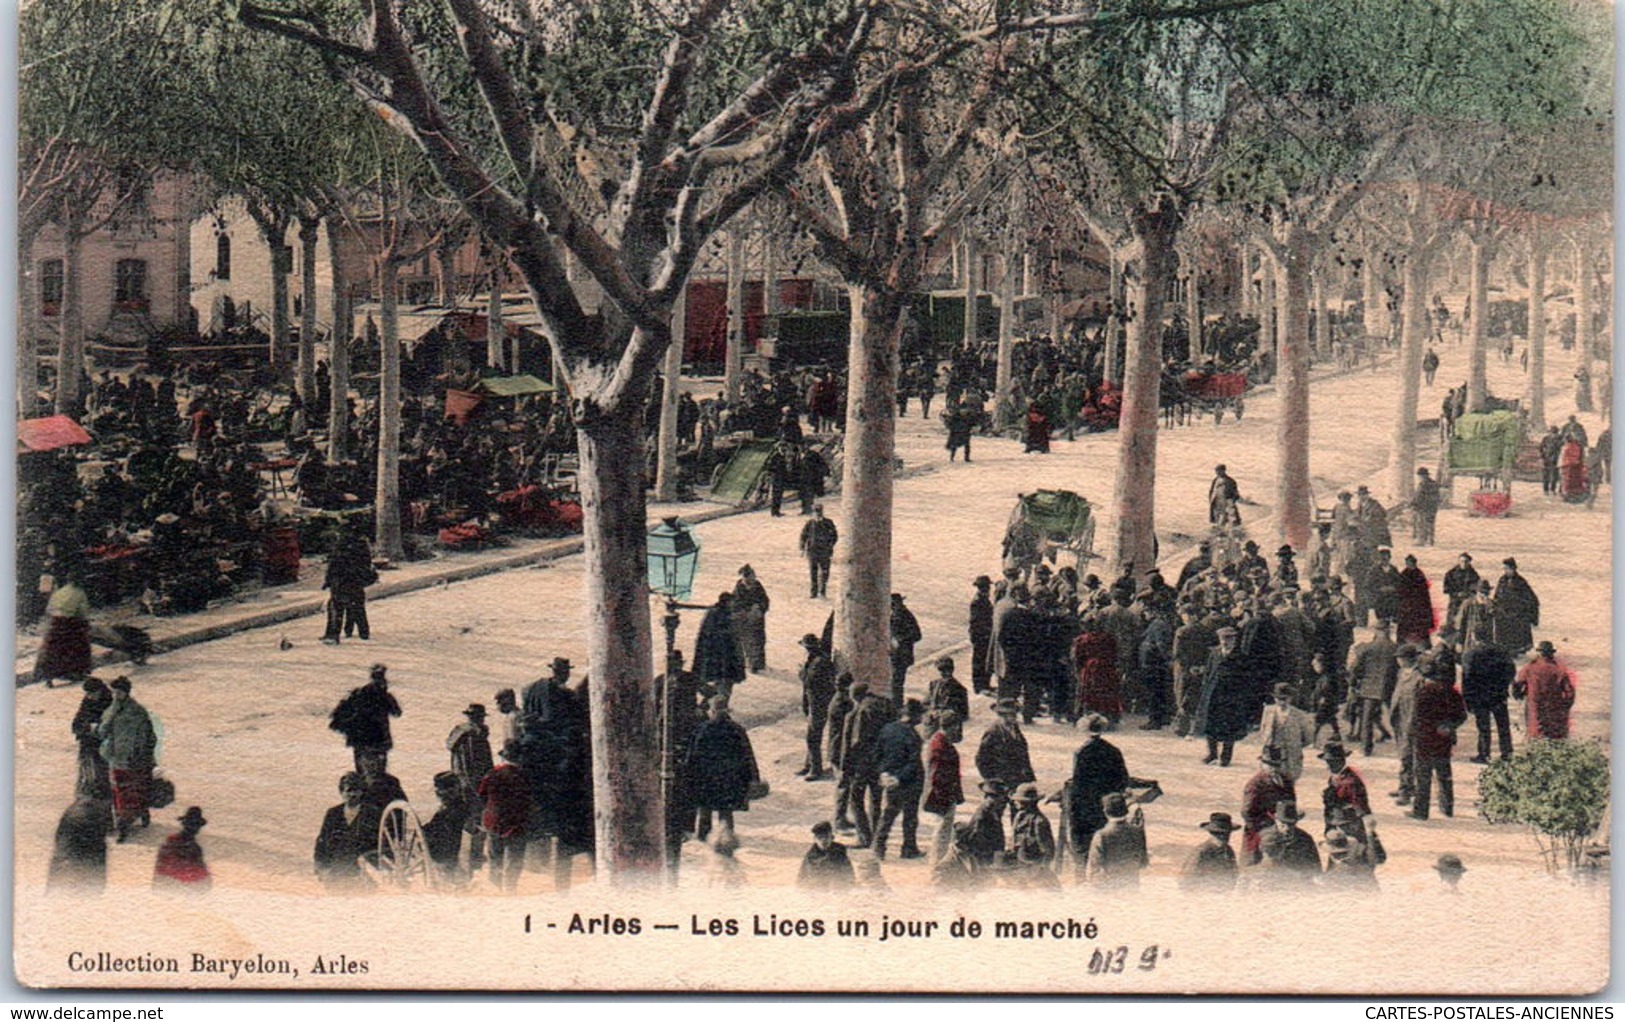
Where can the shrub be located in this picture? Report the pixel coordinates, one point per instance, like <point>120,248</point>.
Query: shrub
<point>1558,789</point>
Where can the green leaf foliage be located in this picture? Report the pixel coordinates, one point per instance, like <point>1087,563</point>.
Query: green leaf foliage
<point>1557,788</point>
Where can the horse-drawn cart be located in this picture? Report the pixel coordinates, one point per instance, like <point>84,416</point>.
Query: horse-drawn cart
<point>1045,523</point>
<point>1215,392</point>
<point>1485,444</point>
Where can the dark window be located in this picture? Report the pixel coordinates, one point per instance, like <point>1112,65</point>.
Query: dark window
<point>130,284</point>
<point>222,257</point>
<point>50,287</point>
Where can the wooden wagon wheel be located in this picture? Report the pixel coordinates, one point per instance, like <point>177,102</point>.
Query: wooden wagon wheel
<point>403,855</point>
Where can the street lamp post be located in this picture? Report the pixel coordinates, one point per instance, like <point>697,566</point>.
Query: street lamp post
<point>674,556</point>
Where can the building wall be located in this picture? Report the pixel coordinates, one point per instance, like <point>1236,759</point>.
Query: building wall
<point>159,235</point>
<point>250,270</point>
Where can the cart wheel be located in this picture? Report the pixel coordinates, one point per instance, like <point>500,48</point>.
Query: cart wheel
<point>403,856</point>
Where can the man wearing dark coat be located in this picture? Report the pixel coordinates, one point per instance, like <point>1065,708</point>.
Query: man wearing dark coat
<point>1196,565</point>
<point>1289,848</point>
<point>721,767</point>
<point>1414,617</point>
<point>362,717</point>
<point>902,780</point>
<point>748,616</point>
<point>947,692</point>
<point>1260,647</point>
<point>1517,611</point>
<point>826,866</point>
<point>717,659</point>
<point>1211,868</point>
<point>1382,584</point>
<point>349,573</point>
<point>984,840</point>
<point>860,758</point>
<point>1098,770</point>
<point>1345,790</point>
<point>817,689</point>
<point>349,831</point>
<point>1460,583</point>
<point>93,781</point>
<point>1425,508</point>
<point>905,632</point>
<point>1487,674</point>
<point>1222,494</point>
<point>981,637</point>
<point>1002,754</point>
<point>818,538</point>
<point>1223,714</point>
<point>841,705</point>
<point>79,855</point>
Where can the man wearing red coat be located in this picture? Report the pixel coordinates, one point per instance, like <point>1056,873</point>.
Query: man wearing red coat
<point>1548,688</point>
<point>944,790</point>
<point>1439,712</point>
<point>1267,788</point>
<point>506,791</point>
<point>1100,685</point>
<point>1416,619</point>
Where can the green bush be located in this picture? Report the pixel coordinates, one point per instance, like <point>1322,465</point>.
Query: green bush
<point>1558,789</point>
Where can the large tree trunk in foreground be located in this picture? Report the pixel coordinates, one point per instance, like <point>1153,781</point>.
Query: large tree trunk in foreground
<point>70,346</point>
<point>628,815</point>
<point>671,389</point>
<point>1537,330</point>
<point>1323,321</point>
<point>1415,329</point>
<point>1478,313</point>
<point>338,358</point>
<point>305,380</point>
<point>862,562</point>
<point>1135,490</point>
<point>387,499</point>
<point>1294,500</point>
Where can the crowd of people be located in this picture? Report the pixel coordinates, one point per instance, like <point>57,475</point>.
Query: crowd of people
<point>1236,647</point>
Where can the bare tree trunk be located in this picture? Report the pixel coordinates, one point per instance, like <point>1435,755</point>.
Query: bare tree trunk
<point>1373,304</point>
<point>863,559</point>
<point>1244,304</point>
<point>1114,319</point>
<point>1478,314</point>
<point>972,289</point>
<point>1323,321</point>
<point>1583,401</point>
<point>1135,490</point>
<point>1415,328</point>
<point>1271,273</point>
<point>305,380</point>
<point>446,263</point>
<point>70,348</point>
<point>736,314</point>
<point>338,358</point>
<point>770,279</point>
<point>1007,321</point>
<point>387,500</point>
<point>666,449</point>
<point>27,341</point>
<point>1537,329</point>
<point>277,240</point>
<point>628,813</point>
<point>496,334</point>
<point>1293,495</point>
<point>1193,308</point>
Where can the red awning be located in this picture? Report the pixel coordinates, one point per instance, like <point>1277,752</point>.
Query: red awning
<point>50,433</point>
